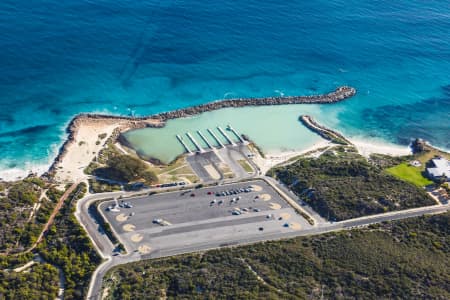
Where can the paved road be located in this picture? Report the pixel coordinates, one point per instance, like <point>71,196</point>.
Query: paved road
<point>303,206</point>
<point>200,160</point>
<point>105,247</point>
<point>196,219</point>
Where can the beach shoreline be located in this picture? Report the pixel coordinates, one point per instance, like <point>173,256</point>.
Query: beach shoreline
<point>83,144</point>
<point>366,148</point>
<point>70,160</point>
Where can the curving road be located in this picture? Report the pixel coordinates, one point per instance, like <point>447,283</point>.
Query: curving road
<point>106,249</point>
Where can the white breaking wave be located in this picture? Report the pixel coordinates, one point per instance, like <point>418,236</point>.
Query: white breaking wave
<point>13,174</point>
<point>279,92</point>
<point>228,94</point>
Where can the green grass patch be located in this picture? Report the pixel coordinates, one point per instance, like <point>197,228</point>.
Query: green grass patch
<point>244,164</point>
<point>410,174</point>
<point>344,185</point>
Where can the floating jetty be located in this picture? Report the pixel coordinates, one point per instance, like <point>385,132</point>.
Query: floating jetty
<point>226,136</point>
<point>158,120</point>
<point>183,143</point>
<point>235,133</point>
<point>204,138</point>
<point>216,138</point>
<point>195,142</point>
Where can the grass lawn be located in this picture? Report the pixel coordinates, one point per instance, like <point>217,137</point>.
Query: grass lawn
<point>410,174</point>
<point>244,164</point>
<point>431,153</point>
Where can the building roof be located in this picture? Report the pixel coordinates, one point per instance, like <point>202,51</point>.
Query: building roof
<point>441,167</point>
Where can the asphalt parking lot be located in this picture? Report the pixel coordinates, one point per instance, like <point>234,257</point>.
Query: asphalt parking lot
<point>207,164</point>
<point>199,161</point>
<point>203,218</point>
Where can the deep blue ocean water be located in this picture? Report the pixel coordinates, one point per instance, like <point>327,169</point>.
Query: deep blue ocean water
<point>60,58</point>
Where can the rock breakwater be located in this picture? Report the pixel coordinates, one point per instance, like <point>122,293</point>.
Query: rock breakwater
<point>125,123</point>
<point>339,94</point>
<point>324,132</point>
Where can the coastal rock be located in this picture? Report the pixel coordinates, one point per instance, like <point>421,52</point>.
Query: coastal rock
<point>158,121</point>
<point>324,132</point>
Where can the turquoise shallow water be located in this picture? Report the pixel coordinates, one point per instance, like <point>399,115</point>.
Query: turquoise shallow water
<point>273,128</point>
<point>60,58</point>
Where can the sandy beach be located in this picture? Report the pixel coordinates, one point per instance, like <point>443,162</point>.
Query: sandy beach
<point>277,157</point>
<point>89,134</point>
<point>82,150</point>
<point>366,148</point>
<point>86,144</point>
<point>89,137</point>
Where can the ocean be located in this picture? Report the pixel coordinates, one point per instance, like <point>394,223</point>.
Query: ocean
<point>61,58</point>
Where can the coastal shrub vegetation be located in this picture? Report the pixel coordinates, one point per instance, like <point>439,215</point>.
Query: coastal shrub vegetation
<point>387,161</point>
<point>400,260</point>
<point>66,245</point>
<point>107,152</point>
<point>125,168</point>
<point>106,227</point>
<point>20,224</point>
<point>100,186</point>
<point>38,282</point>
<point>341,185</point>
<point>14,261</point>
<point>89,170</point>
<point>244,164</point>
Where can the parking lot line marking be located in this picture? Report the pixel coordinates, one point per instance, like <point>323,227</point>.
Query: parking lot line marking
<point>274,206</point>
<point>121,218</point>
<point>128,227</point>
<point>136,237</point>
<point>265,197</point>
<point>144,249</point>
<point>256,188</point>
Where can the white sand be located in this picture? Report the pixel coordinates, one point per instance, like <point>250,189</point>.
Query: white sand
<point>78,157</point>
<point>366,148</point>
<point>87,145</point>
<point>274,158</point>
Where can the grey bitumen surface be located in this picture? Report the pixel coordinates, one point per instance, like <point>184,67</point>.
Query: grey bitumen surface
<point>322,227</point>
<point>195,219</point>
<point>308,209</point>
<point>228,155</point>
<point>198,161</point>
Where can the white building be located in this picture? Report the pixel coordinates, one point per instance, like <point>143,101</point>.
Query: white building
<point>441,167</point>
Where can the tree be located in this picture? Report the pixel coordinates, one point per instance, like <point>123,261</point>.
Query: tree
<point>126,168</point>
